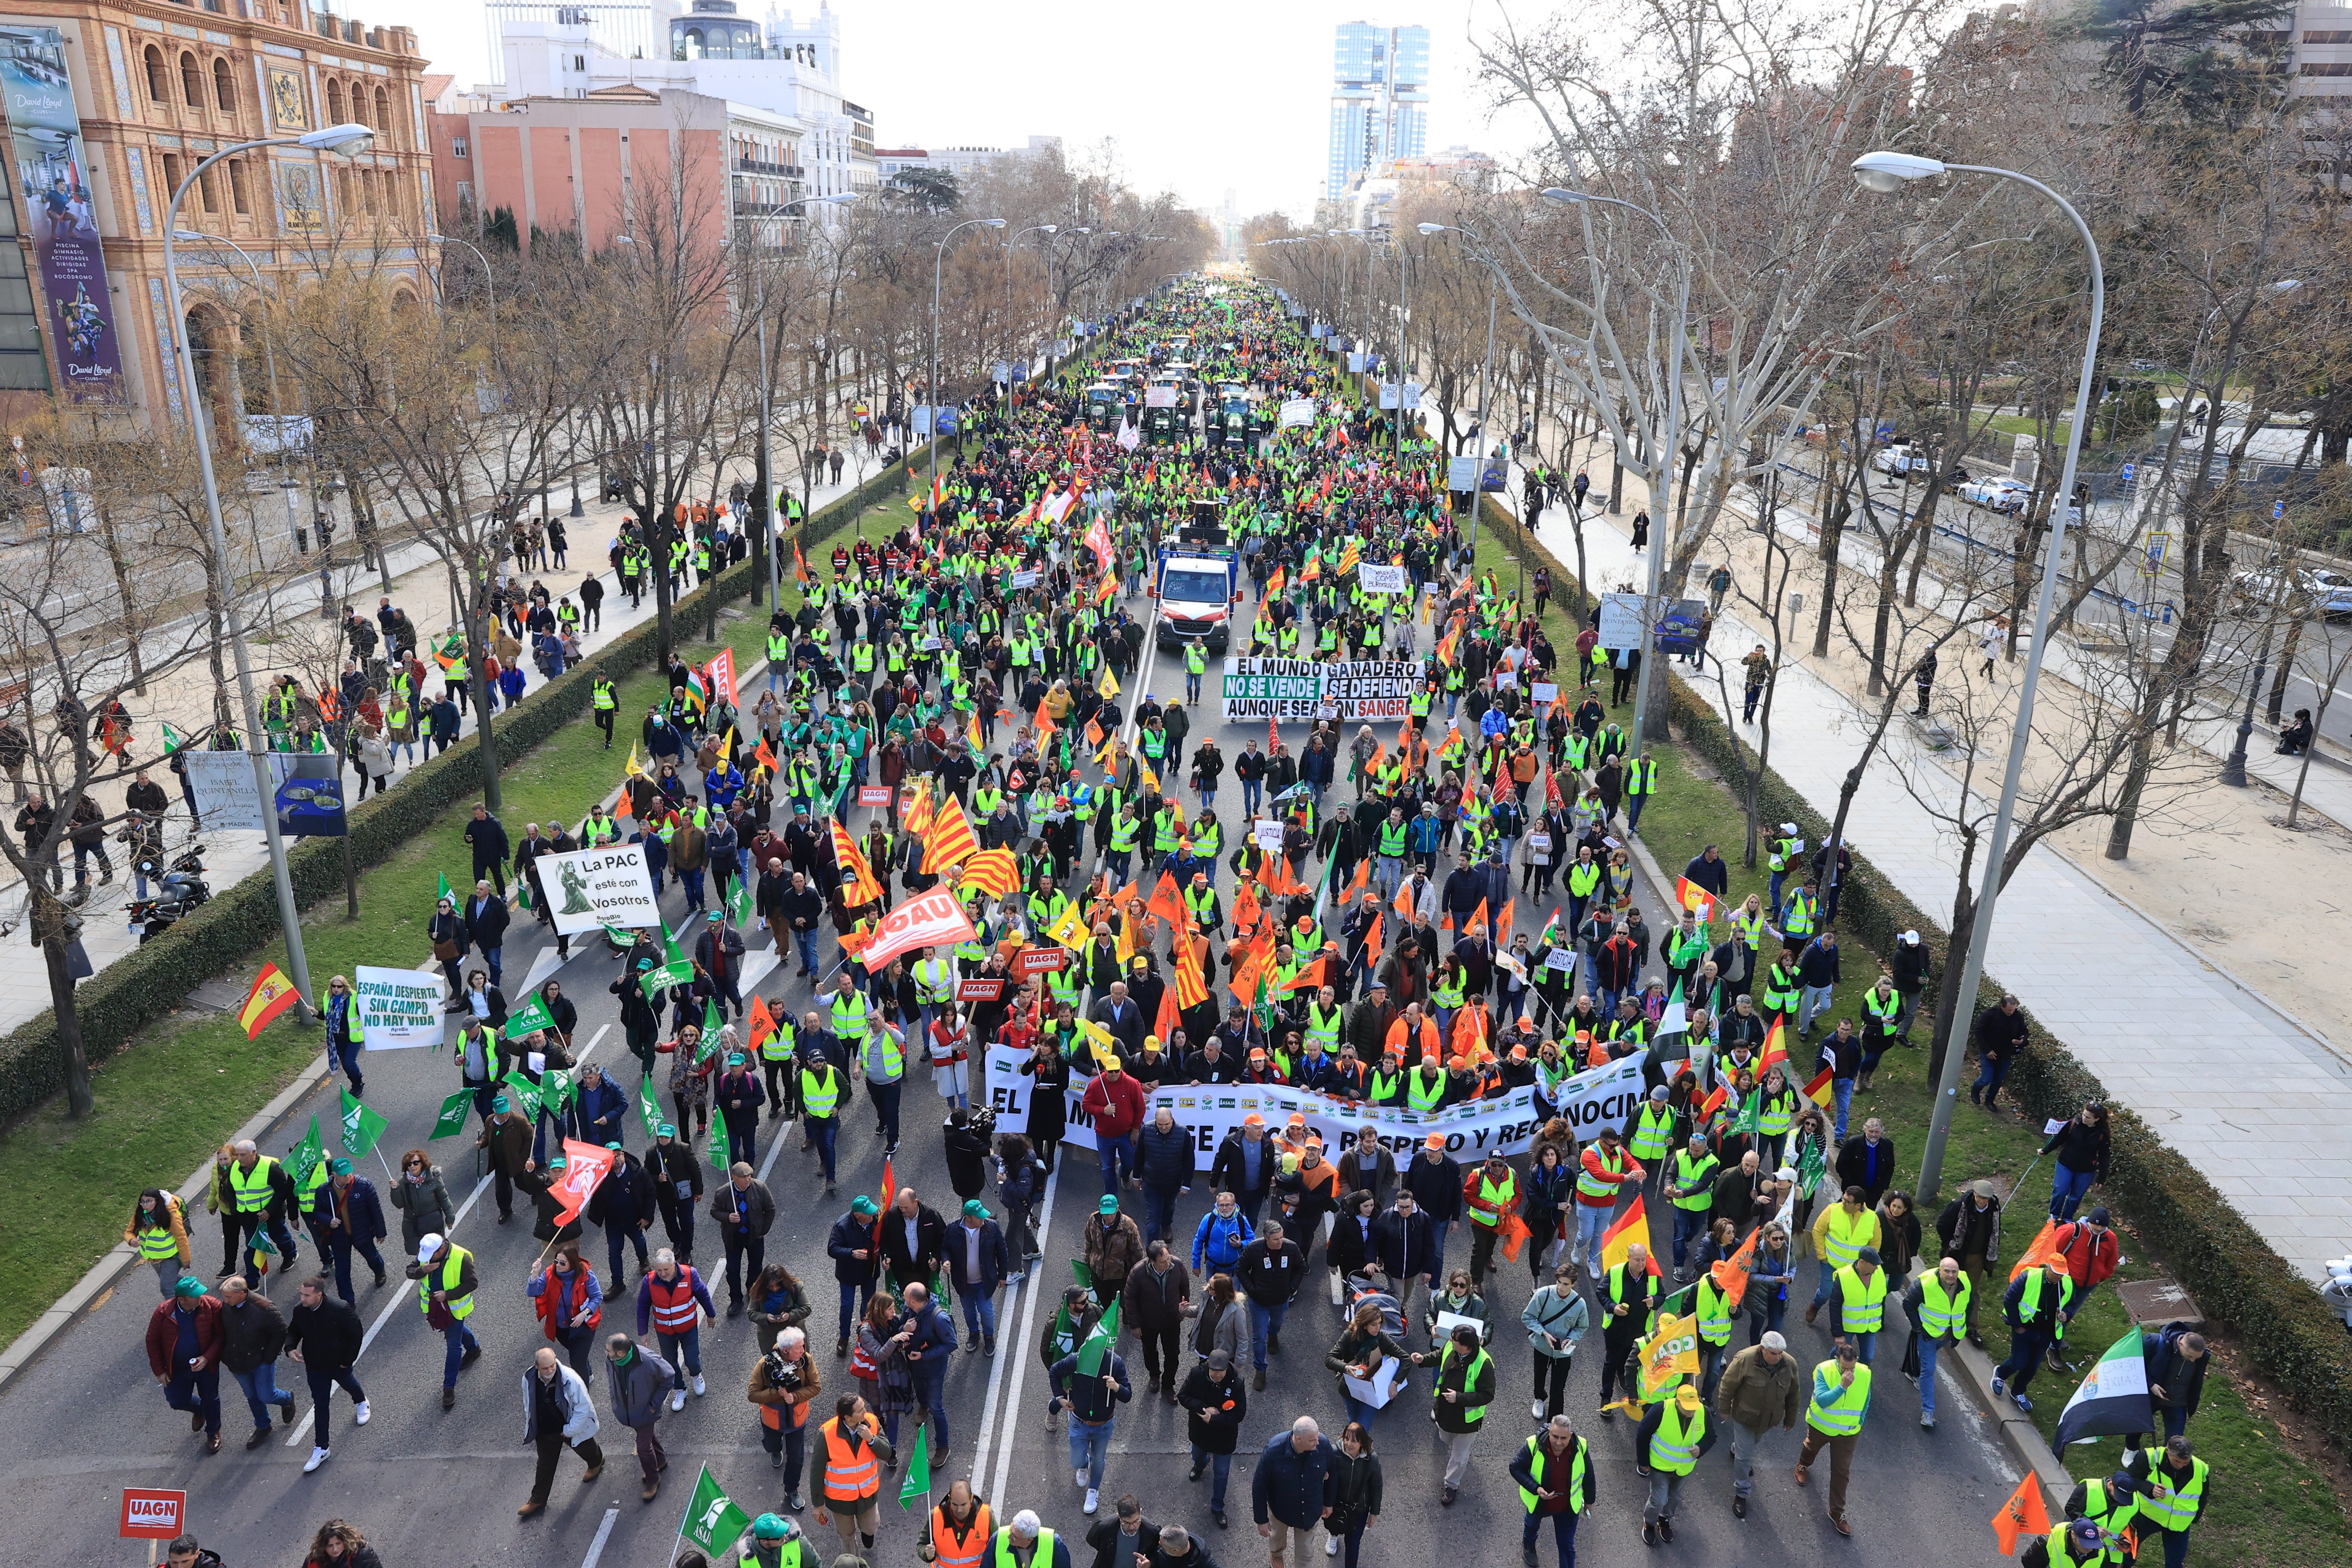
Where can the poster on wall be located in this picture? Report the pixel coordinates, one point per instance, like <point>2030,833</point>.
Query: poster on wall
<point>52,168</point>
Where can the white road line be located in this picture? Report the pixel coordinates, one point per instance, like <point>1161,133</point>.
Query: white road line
<point>400,1298</point>
<point>603,1534</point>
<point>1032,1289</point>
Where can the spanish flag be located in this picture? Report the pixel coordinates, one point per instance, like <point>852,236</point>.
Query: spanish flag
<point>272,995</point>
<point>1617,1241</point>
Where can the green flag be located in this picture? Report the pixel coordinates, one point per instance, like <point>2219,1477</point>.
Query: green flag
<point>454,1113</point>
<point>740,904</point>
<point>444,891</point>
<point>1084,1276</point>
<point>522,891</point>
<point>362,1127</point>
<point>1096,1348</point>
<point>712,1522</point>
<point>662,976</point>
<point>306,1156</point>
<point>532,1015</point>
<point>555,1091</point>
<point>525,1092</point>
<point>172,740</point>
<point>648,1108</point>
<point>712,1022</point>
<point>718,1148</point>
<point>914,1491</point>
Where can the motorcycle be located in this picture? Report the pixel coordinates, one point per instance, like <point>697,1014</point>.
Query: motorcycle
<point>180,891</point>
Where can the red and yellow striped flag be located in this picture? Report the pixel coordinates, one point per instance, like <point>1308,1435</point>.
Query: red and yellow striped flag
<point>852,861</point>
<point>995,872</point>
<point>272,995</point>
<point>950,841</point>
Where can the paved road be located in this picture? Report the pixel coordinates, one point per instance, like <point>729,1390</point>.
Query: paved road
<point>87,1418</point>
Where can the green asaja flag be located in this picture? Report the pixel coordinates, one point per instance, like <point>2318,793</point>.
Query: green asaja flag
<point>740,904</point>
<point>718,1161</point>
<point>1094,1352</point>
<point>712,1522</point>
<point>531,1015</point>
<point>306,1156</point>
<point>556,1091</point>
<point>2113,1398</point>
<point>443,892</point>
<point>362,1127</point>
<point>455,1112</point>
<point>914,1491</point>
<point>525,1093</point>
<point>648,1108</point>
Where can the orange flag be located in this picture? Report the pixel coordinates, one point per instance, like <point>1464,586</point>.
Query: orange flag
<point>2023,1517</point>
<point>1246,974</point>
<point>1308,979</point>
<point>2043,1250</point>
<point>1166,1024</point>
<point>1511,1236</point>
<point>1477,919</point>
<point>1119,900</point>
<point>1373,939</point>
<point>757,1024</point>
<point>1168,903</point>
<point>1356,884</point>
<point>1504,921</point>
<point>1046,725</point>
<point>1730,1274</point>
<point>1246,912</point>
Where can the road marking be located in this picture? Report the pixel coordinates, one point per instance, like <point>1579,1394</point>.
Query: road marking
<point>400,1298</point>
<point>1032,1288</point>
<point>603,1534</point>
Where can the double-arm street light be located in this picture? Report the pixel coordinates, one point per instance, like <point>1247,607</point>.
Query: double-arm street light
<point>1486,380</point>
<point>1049,230</point>
<point>932,393</point>
<point>1662,460</point>
<point>349,139</point>
<point>1886,172</point>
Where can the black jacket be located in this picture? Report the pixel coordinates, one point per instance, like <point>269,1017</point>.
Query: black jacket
<point>1273,1276</point>
<point>1435,1187</point>
<point>1103,1536</point>
<point>930,1242</point>
<point>328,1335</point>
<point>851,1235</point>
<point>1228,1174</point>
<point>1208,1422</point>
<point>486,920</point>
<point>1165,1160</point>
<point>489,837</point>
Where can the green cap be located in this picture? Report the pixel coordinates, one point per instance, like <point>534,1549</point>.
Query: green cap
<point>974,1209</point>
<point>612,1146</point>
<point>1110,1205</point>
<point>341,1167</point>
<point>863,1205</point>
<point>556,1163</point>
<point>188,1285</point>
<point>768,1527</point>
<point>664,1131</point>
<point>499,1102</point>
<point>734,1058</point>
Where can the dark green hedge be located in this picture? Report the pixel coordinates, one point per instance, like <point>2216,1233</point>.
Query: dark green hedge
<point>2210,1248</point>
<point>221,938</point>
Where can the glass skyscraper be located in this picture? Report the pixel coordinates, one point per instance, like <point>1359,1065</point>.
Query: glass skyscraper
<point>1380,99</point>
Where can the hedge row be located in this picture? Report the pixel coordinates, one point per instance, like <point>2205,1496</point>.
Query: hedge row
<point>2210,1248</point>
<point>221,938</point>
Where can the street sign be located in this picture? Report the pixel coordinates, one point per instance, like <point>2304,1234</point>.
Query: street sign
<point>2153,552</point>
<point>150,1514</point>
<point>1035,961</point>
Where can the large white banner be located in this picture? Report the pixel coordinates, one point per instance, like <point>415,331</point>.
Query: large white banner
<point>1604,1097</point>
<point>1297,411</point>
<point>399,1008</point>
<point>1281,688</point>
<point>1383,579</point>
<point>588,888</point>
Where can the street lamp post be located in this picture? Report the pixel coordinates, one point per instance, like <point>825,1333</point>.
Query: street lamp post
<point>1887,172</point>
<point>932,393</point>
<point>489,283</point>
<point>276,405</point>
<point>347,139</point>
<point>1048,230</point>
<point>1662,491</point>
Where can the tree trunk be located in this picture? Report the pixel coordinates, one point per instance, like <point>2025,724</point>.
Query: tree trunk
<point>2277,700</point>
<point>1955,1014</point>
<point>1832,539</point>
<point>49,923</point>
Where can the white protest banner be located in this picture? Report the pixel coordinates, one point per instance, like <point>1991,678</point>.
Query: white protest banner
<point>1281,688</point>
<point>1383,579</point>
<point>1297,411</point>
<point>1266,834</point>
<point>1160,398</point>
<point>399,1008</point>
<point>1605,1095</point>
<point>588,888</point>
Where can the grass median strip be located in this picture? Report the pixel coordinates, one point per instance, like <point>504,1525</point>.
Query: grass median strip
<point>167,1101</point>
<point>2271,1507</point>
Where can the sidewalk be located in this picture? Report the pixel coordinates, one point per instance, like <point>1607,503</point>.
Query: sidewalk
<point>2133,1002</point>
<point>184,697</point>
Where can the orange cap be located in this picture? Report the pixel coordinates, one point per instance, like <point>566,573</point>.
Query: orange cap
<point>1435,1141</point>
<point>1257,1054</point>
<point>1254,1119</point>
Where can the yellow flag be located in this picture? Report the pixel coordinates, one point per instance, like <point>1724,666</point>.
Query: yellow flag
<point>1668,1354</point>
<point>1101,1041</point>
<point>1108,684</point>
<point>727,747</point>
<point>631,768</point>
<point>1071,929</point>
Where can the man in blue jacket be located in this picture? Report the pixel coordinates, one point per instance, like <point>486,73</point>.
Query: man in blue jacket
<point>927,1337</point>
<point>851,1244</point>
<point>599,1109</point>
<point>976,1264</point>
<point>1217,1243</point>
<point>347,1214</point>
<point>1290,1490</point>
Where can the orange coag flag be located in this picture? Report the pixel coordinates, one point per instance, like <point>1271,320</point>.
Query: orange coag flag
<point>1166,1024</point>
<point>2043,1250</point>
<point>1246,912</point>
<point>1357,884</point>
<point>1168,903</point>
<point>757,1024</point>
<point>2023,1517</point>
<point>1730,1274</point>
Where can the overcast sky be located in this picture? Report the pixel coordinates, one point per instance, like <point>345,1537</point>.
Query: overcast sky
<point>1203,96</point>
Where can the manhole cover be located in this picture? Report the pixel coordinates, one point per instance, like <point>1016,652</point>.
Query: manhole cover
<point>2152,1301</point>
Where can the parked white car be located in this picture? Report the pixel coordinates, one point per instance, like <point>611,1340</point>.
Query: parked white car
<point>1996,494</point>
